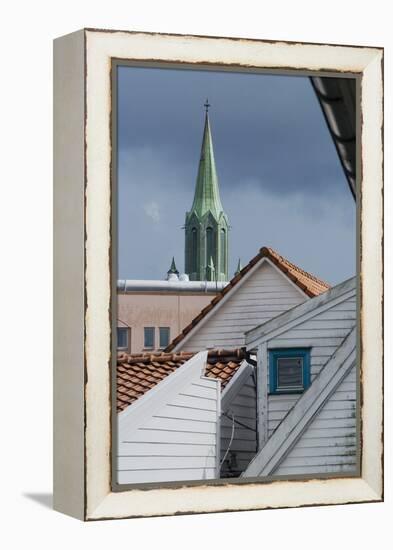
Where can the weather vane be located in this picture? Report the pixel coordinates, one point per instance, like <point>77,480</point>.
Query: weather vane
<point>207,105</point>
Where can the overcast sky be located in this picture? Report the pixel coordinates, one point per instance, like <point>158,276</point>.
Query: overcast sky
<point>280,178</point>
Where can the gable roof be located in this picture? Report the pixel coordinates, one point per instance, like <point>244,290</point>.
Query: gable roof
<point>138,373</point>
<point>308,283</point>
<point>264,331</point>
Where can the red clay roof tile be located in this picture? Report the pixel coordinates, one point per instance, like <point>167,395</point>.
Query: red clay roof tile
<point>136,373</point>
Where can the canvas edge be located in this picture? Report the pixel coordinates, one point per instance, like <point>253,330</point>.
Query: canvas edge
<point>69,276</point>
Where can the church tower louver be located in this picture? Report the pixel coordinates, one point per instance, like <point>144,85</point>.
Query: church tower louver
<point>206,238</point>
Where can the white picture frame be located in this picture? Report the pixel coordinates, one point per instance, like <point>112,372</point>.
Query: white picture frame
<point>83,275</point>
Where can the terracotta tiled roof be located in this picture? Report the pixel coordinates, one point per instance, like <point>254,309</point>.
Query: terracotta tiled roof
<point>138,373</point>
<point>311,285</point>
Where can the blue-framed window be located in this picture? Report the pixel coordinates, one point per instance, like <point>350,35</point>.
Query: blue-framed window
<point>289,370</point>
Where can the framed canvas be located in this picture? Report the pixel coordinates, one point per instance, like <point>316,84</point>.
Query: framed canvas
<point>218,387</point>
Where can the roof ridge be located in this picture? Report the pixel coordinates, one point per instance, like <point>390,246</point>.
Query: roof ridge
<point>286,267</point>
<point>297,268</point>
<point>157,357</point>
<point>162,357</point>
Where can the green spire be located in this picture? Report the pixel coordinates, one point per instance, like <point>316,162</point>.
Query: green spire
<point>173,268</point>
<point>207,226</point>
<point>239,267</point>
<point>207,194</point>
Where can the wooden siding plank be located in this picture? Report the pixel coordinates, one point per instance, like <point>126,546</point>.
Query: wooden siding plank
<point>165,449</point>
<point>153,476</point>
<point>164,462</point>
<point>311,470</point>
<point>324,443</point>
<point>170,436</point>
<point>326,461</point>
<point>180,424</point>
<point>195,401</point>
<point>317,333</point>
<point>330,433</point>
<point>323,424</point>
<point>198,390</point>
<point>301,342</point>
<point>343,451</point>
<point>187,413</point>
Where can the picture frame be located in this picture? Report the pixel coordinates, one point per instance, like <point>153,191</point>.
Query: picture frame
<point>84,267</point>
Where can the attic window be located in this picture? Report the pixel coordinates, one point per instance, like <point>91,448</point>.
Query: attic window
<point>289,370</point>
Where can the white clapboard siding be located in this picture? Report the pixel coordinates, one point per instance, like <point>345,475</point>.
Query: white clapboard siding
<point>308,417</point>
<point>242,406</point>
<point>305,470</point>
<point>328,445</point>
<point>263,295</point>
<point>172,434</point>
<point>323,334</point>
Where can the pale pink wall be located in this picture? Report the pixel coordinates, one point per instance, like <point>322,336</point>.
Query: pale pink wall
<point>157,310</point>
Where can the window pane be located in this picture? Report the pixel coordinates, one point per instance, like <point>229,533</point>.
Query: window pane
<point>149,337</point>
<point>122,337</point>
<point>164,337</point>
<point>209,245</point>
<point>194,249</point>
<point>289,372</point>
<point>223,251</point>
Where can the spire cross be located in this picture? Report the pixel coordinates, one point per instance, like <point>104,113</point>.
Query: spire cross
<point>207,105</point>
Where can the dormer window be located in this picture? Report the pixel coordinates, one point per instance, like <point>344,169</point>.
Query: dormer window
<point>289,370</point>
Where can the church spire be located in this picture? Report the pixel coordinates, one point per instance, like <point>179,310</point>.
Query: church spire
<point>206,244</point>
<point>207,194</point>
<point>173,269</point>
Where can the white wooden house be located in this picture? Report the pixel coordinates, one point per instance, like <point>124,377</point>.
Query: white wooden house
<point>307,387</point>
<point>169,408</point>
<point>203,415</point>
<point>266,287</point>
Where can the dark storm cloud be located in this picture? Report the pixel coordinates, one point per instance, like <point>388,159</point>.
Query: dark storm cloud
<point>267,127</point>
<point>280,178</point>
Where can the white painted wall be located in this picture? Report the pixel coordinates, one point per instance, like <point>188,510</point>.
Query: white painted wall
<point>329,443</point>
<point>242,406</point>
<point>172,432</point>
<point>323,333</point>
<point>264,293</point>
